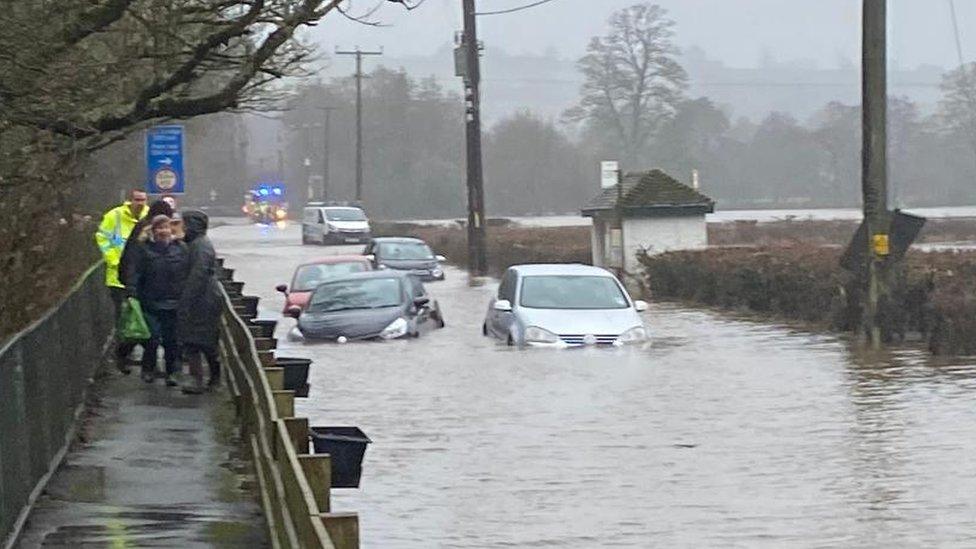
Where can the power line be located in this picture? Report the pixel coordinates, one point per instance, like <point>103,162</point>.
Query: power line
<point>513,10</point>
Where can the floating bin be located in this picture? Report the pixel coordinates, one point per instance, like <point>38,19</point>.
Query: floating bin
<point>265,343</point>
<point>225,274</point>
<point>263,328</point>
<point>249,303</point>
<point>220,262</point>
<point>346,446</point>
<point>296,374</point>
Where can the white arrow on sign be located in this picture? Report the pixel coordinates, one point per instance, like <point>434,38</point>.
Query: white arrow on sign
<point>166,161</point>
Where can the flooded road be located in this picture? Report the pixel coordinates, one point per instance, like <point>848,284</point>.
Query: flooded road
<point>723,432</point>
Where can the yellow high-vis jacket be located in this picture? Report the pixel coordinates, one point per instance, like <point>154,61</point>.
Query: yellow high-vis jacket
<point>114,230</point>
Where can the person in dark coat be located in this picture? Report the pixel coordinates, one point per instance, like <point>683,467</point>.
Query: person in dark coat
<point>201,304</point>
<point>127,265</point>
<point>158,280</point>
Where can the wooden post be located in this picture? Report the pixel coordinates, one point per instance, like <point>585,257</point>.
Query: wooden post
<point>284,403</point>
<point>276,378</point>
<point>298,432</point>
<point>343,529</point>
<point>318,471</point>
<point>265,343</point>
<point>874,163</point>
<point>267,358</point>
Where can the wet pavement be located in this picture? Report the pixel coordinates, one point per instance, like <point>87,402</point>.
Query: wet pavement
<point>724,431</point>
<point>160,469</point>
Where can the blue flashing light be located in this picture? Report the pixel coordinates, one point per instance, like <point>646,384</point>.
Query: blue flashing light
<point>276,190</point>
<point>264,192</point>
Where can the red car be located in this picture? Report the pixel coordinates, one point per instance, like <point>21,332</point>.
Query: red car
<point>308,276</point>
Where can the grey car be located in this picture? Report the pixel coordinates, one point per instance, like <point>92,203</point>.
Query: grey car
<point>563,306</point>
<point>377,304</point>
<point>412,255</point>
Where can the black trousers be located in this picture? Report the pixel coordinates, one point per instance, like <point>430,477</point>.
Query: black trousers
<point>122,348</point>
<point>192,352</point>
<point>163,325</point>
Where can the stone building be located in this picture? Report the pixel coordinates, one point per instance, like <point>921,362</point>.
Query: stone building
<point>653,212</point>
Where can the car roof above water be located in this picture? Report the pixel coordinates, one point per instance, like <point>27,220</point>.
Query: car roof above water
<point>561,269</point>
<point>335,259</point>
<point>368,275</point>
<point>382,239</point>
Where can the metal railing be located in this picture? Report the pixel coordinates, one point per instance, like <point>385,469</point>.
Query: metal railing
<point>294,485</point>
<point>44,373</point>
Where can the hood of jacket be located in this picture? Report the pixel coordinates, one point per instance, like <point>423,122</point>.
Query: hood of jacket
<point>195,224</point>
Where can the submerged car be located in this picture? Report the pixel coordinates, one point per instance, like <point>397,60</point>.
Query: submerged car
<point>377,304</point>
<point>308,276</point>
<point>565,306</point>
<point>405,254</point>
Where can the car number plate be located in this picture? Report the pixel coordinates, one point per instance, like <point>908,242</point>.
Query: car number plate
<point>352,240</point>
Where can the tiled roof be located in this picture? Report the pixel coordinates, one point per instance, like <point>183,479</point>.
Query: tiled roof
<point>651,191</point>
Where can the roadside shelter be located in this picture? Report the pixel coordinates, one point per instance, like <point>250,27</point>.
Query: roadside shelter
<point>653,213</point>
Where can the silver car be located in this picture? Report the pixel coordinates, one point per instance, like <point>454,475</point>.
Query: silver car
<point>563,306</point>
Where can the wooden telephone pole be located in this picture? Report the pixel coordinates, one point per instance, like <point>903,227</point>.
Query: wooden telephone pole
<point>359,114</point>
<point>477,257</point>
<point>874,164</point>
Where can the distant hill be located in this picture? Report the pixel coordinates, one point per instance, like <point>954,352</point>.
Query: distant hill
<point>549,84</point>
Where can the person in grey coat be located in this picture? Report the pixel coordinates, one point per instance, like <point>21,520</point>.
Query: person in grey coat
<point>200,305</point>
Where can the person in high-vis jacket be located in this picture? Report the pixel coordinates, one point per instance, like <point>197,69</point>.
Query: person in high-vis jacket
<point>113,232</point>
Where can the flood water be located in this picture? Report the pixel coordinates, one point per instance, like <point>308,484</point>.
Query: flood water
<point>722,432</point>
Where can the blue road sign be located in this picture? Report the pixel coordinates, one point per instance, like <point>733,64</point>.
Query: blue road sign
<point>164,160</point>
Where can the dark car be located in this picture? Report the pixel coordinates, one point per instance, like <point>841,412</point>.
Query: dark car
<point>405,254</point>
<point>377,304</point>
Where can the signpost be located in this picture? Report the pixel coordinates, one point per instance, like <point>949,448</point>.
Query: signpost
<point>164,160</point>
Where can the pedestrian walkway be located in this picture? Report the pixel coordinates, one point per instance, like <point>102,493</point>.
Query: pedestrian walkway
<point>159,469</point>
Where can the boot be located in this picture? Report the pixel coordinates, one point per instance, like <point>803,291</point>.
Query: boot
<point>194,385</point>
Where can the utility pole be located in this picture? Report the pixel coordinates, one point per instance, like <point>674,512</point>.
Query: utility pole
<point>359,113</point>
<point>477,257</point>
<point>326,151</point>
<point>874,164</point>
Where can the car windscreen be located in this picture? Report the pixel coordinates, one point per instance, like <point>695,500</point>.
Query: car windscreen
<point>572,292</point>
<point>309,277</point>
<point>405,250</point>
<point>367,293</point>
<point>344,214</point>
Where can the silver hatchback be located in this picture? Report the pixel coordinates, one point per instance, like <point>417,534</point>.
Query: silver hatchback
<point>563,306</point>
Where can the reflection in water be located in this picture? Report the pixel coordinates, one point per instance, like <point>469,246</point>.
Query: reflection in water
<point>722,432</point>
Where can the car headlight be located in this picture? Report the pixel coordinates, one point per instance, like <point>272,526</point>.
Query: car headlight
<point>535,334</point>
<point>382,267</point>
<point>436,272</point>
<point>397,328</point>
<point>331,227</point>
<point>633,335</point>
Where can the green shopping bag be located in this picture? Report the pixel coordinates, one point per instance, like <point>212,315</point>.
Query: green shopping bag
<point>132,325</point>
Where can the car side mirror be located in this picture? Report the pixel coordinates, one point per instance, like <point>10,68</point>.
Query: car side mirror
<point>421,301</point>
<point>503,305</point>
<point>294,312</point>
<point>283,288</point>
<point>440,259</point>
<point>640,306</point>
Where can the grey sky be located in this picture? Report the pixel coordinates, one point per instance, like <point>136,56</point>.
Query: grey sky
<point>733,31</point>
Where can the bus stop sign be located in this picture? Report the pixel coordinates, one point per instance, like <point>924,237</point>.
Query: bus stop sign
<point>164,160</point>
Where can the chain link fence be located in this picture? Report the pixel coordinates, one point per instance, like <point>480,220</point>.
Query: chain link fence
<point>44,371</point>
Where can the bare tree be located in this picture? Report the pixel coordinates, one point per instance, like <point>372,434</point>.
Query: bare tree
<point>88,69</point>
<point>958,106</point>
<point>632,81</point>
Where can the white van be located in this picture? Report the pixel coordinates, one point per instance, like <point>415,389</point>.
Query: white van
<point>334,225</point>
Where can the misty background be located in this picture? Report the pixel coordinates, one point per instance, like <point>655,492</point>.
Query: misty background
<point>770,117</point>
